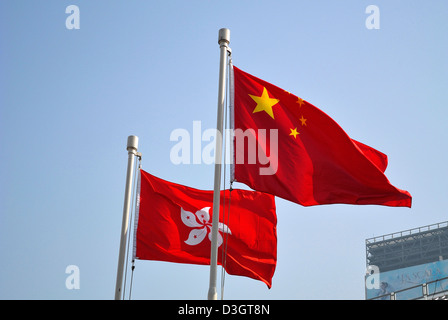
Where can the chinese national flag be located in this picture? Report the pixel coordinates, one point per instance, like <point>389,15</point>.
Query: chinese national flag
<point>302,154</point>
<point>174,224</point>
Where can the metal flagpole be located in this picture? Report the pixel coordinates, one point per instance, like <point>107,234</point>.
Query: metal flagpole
<point>223,40</point>
<point>132,145</point>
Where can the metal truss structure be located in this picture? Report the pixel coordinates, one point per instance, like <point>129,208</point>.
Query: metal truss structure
<point>408,248</point>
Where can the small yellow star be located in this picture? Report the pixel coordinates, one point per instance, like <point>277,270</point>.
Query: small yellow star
<point>294,132</point>
<point>299,101</point>
<point>264,103</point>
<point>303,120</point>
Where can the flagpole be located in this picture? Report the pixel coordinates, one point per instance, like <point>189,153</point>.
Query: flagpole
<point>132,145</point>
<point>223,41</point>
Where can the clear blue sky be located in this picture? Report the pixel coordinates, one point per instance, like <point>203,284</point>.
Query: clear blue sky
<point>70,98</point>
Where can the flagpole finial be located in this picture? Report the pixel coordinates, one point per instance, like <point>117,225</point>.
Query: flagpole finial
<point>132,144</point>
<point>224,37</point>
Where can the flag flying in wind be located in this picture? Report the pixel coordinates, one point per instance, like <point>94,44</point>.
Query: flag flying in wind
<point>174,224</point>
<point>287,147</point>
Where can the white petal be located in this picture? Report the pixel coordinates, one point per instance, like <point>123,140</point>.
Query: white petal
<point>203,215</point>
<point>196,236</point>
<point>224,228</point>
<point>189,219</point>
<point>219,238</point>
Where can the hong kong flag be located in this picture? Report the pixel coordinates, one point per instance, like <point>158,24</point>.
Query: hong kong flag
<point>302,154</point>
<point>174,222</point>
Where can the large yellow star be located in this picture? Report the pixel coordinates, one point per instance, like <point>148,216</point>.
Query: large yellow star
<point>264,103</point>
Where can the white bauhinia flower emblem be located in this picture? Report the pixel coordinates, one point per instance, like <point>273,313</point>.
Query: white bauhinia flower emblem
<point>200,221</point>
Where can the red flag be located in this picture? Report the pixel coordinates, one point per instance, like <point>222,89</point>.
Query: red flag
<point>174,224</point>
<point>303,155</point>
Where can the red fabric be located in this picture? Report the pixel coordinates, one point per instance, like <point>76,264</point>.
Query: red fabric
<point>320,164</point>
<point>171,227</point>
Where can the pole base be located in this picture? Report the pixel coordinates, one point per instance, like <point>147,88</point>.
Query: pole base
<point>212,294</point>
